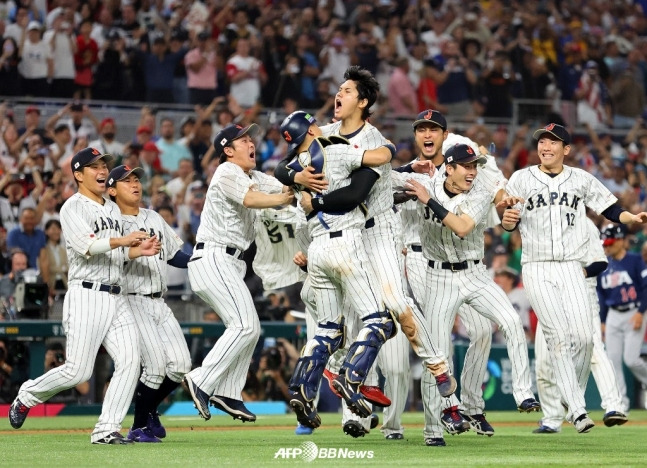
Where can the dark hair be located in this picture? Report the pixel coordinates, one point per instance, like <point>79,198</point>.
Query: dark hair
<point>367,87</point>
<point>166,207</point>
<point>52,221</point>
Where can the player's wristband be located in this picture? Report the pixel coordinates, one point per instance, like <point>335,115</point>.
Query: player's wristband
<point>438,209</point>
<point>317,204</point>
<point>99,246</point>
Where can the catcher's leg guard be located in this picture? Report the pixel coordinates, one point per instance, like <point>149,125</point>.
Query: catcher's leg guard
<point>378,327</point>
<point>315,354</point>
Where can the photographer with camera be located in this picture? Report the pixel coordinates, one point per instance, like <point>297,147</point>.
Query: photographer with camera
<point>275,369</point>
<point>55,357</point>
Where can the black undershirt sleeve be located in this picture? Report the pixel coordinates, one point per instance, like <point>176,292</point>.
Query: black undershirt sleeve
<point>349,197</point>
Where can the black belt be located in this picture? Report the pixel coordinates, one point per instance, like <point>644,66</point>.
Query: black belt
<point>155,295</point>
<point>416,247</point>
<point>229,250</point>
<point>369,223</point>
<point>455,266</point>
<point>109,288</point>
<point>624,307</point>
<point>335,234</point>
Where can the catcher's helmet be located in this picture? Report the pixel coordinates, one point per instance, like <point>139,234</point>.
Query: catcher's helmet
<point>294,128</point>
<point>612,233</point>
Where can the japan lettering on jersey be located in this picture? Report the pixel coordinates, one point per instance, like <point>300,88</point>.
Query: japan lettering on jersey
<point>380,198</point>
<point>438,241</point>
<point>147,275</point>
<point>553,216</point>
<point>84,221</point>
<point>225,221</point>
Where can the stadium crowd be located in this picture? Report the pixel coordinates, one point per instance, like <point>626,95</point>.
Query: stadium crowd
<point>584,61</point>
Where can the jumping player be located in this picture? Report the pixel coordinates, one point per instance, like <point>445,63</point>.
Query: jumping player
<point>548,204</point>
<point>94,312</point>
<point>165,354</point>
<point>455,212</point>
<point>216,269</point>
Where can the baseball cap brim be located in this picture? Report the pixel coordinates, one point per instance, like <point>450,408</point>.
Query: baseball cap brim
<point>138,171</point>
<point>538,133</point>
<point>428,121</point>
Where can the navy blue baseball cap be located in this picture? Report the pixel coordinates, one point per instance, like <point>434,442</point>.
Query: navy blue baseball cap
<point>230,133</point>
<point>462,154</point>
<point>555,130</point>
<point>431,116</point>
<point>612,233</point>
<point>121,172</point>
<point>87,156</point>
<point>295,127</point>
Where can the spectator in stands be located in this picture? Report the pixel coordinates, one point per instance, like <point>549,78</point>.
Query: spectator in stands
<point>240,28</point>
<point>53,259</point>
<point>81,120</point>
<point>85,58</point>
<point>401,94</point>
<point>627,98</point>
<point>159,68</point>
<point>200,142</point>
<point>27,237</point>
<point>62,40</point>
<point>110,80</point>
<point>9,74</point>
<point>171,152</point>
<point>177,187</point>
<point>177,279</point>
<point>497,82</point>
<point>593,106</point>
<point>13,200</point>
<point>8,389</point>
<point>18,261</point>
<point>150,161</point>
<point>36,66</point>
<point>274,50</point>
<point>335,58</point>
<point>202,63</point>
<point>190,211</point>
<point>508,279</point>
<point>107,142</point>
<point>246,75</point>
<point>5,260</point>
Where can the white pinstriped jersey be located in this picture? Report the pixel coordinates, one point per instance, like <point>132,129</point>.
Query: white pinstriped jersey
<point>84,221</point>
<point>438,241</point>
<point>340,161</point>
<point>225,221</point>
<point>147,275</point>
<point>380,198</point>
<point>410,218</point>
<point>553,216</point>
<point>276,245</point>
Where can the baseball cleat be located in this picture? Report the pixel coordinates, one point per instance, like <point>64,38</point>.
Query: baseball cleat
<point>143,434</point>
<point>372,393</point>
<point>305,411</point>
<point>200,398</point>
<point>17,414</point>
<point>375,420</point>
<point>354,429</point>
<point>614,418</point>
<point>330,376</point>
<point>480,425</point>
<point>544,430</point>
<point>155,425</point>
<point>529,405</point>
<point>453,421</point>
<point>114,438</point>
<point>235,408</point>
<point>435,442</point>
<point>394,436</point>
<point>303,430</point>
<point>446,384</point>
<point>584,423</point>
<point>353,398</point>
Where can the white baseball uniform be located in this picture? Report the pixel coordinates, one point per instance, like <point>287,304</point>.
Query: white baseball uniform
<point>382,241</point>
<point>216,273</point>
<point>163,345</point>
<point>554,234</point>
<point>456,276</point>
<point>94,314</point>
<point>601,366</point>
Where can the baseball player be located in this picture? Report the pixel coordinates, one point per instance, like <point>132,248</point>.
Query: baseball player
<point>548,204</point>
<point>594,262</point>
<point>94,311</point>
<point>622,289</point>
<point>352,109</point>
<point>431,138</point>
<point>338,270</point>
<point>455,215</point>
<point>216,269</point>
<point>165,355</point>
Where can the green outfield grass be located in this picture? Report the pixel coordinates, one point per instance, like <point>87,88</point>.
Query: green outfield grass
<point>191,442</point>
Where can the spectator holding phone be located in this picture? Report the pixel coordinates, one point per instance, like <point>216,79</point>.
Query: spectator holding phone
<point>9,75</point>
